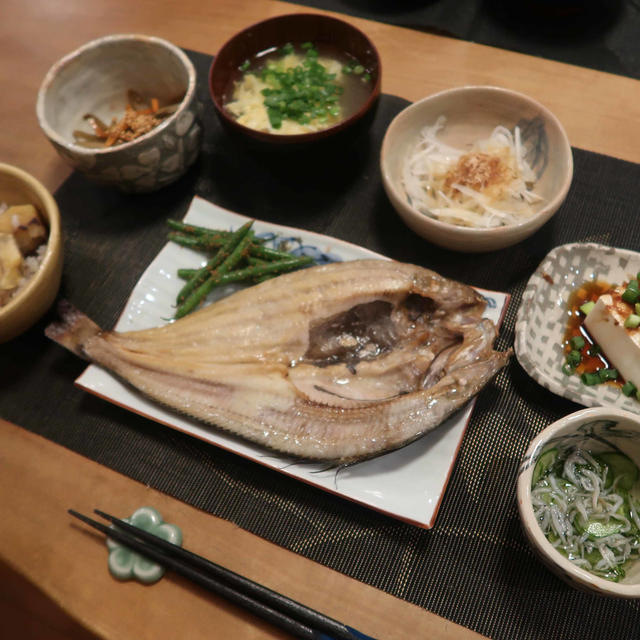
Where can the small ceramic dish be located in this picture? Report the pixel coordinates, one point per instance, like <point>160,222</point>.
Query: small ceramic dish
<point>471,115</point>
<point>595,430</point>
<point>32,301</point>
<point>543,315</point>
<point>95,79</point>
<point>325,33</point>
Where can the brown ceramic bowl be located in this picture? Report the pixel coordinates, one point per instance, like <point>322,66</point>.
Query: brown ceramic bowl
<point>295,28</point>
<point>30,303</point>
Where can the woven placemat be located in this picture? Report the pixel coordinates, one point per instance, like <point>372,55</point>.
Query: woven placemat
<point>599,34</point>
<point>474,567</point>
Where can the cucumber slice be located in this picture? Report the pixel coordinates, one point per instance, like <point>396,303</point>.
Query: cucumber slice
<point>545,462</point>
<point>597,529</point>
<point>619,466</point>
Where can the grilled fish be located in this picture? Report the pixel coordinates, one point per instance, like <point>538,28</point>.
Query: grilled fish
<point>339,362</point>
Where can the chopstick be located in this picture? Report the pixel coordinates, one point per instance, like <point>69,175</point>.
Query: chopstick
<point>292,616</point>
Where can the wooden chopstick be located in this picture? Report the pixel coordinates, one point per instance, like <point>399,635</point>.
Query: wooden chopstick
<point>270,605</point>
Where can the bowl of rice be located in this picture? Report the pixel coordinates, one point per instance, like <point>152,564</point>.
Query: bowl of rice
<point>476,168</point>
<point>578,493</point>
<point>30,251</point>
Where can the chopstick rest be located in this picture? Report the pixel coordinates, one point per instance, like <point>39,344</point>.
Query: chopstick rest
<point>292,616</point>
<point>125,564</point>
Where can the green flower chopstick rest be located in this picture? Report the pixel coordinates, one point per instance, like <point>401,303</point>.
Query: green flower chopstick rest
<point>125,564</point>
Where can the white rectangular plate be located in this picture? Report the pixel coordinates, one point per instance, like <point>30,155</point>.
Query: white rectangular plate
<point>407,484</point>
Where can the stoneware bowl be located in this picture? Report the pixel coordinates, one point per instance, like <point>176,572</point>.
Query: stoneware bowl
<point>297,28</point>
<point>594,429</point>
<point>95,79</point>
<point>32,301</point>
<point>471,115</point>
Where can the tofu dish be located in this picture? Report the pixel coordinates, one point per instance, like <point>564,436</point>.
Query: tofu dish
<point>602,341</point>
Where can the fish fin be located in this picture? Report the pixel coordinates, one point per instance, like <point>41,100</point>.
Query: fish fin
<point>73,329</point>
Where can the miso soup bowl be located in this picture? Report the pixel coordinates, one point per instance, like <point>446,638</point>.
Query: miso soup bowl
<point>471,115</point>
<point>275,32</point>
<point>95,79</point>
<point>593,429</point>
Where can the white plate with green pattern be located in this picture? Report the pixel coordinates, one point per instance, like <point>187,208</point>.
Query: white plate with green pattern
<point>543,316</point>
<point>407,484</point>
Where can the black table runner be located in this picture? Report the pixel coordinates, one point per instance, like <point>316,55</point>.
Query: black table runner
<point>599,34</point>
<point>474,567</point>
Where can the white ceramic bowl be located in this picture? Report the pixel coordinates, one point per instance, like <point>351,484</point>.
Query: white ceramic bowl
<point>29,304</point>
<point>471,115</point>
<point>615,426</point>
<point>95,79</point>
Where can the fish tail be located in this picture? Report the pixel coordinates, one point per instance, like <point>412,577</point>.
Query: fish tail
<point>73,329</point>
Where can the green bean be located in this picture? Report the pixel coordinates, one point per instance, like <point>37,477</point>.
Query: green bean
<point>216,262</point>
<point>194,230</point>
<point>213,243</point>
<point>258,271</point>
<point>186,274</point>
<point>208,237</point>
<point>265,253</point>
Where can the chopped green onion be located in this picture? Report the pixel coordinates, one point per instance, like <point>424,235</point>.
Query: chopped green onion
<point>594,350</point>
<point>632,321</point>
<point>577,342</point>
<point>607,374</point>
<point>590,379</point>
<point>587,306</point>
<point>567,369</point>
<point>245,65</point>
<point>631,295</point>
<point>634,285</point>
<point>574,358</point>
<point>287,49</point>
<point>358,69</point>
<point>629,389</point>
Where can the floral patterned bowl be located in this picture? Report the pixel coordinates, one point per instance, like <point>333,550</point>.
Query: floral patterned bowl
<point>595,429</point>
<point>95,79</point>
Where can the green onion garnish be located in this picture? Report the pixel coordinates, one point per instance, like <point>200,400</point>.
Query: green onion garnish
<point>632,321</point>
<point>590,379</point>
<point>631,295</point>
<point>629,389</point>
<point>607,374</point>
<point>577,342</point>
<point>574,358</point>
<point>587,306</point>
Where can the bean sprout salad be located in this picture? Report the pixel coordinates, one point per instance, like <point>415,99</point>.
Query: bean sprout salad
<point>489,185</point>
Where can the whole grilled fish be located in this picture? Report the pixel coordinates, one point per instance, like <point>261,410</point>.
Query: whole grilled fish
<point>339,362</point>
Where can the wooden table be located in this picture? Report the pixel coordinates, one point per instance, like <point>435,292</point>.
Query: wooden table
<point>53,573</point>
